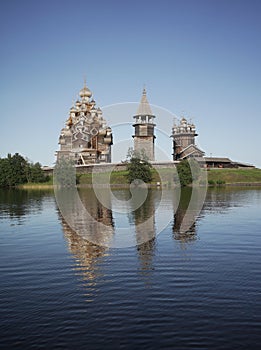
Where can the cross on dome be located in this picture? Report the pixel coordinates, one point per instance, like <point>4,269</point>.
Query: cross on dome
<point>85,91</point>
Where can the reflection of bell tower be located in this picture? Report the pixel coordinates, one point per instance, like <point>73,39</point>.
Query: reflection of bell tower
<point>144,219</point>
<point>144,216</point>
<point>144,129</point>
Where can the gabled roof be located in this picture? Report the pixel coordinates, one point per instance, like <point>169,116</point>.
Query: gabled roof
<point>192,146</point>
<point>144,107</point>
<point>194,149</point>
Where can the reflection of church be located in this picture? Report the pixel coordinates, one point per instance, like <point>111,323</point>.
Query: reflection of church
<point>86,138</point>
<point>87,254</point>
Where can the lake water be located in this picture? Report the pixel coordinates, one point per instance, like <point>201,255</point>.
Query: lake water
<point>195,290</point>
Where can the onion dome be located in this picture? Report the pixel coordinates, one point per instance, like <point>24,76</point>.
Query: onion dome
<point>92,102</point>
<point>85,92</point>
<point>73,109</point>
<point>69,121</point>
<point>77,104</point>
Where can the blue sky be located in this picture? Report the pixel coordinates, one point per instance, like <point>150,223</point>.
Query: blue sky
<point>197,57</point>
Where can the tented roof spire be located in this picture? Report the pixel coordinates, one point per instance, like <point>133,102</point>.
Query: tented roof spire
<point>144,107</point>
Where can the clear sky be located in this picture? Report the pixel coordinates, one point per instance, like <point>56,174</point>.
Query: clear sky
<point>197,57</point>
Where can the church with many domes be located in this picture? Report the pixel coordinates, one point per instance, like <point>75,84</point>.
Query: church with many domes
<point>86,138</point>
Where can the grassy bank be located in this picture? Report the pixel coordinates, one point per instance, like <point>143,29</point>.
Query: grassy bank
<point>234,176</point>
<point>37,185</point>
<point>215,177</point>
<point>117,177</point>
<point>121,177</point>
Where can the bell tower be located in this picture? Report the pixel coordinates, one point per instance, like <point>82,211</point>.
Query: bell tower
<point>144,129</point>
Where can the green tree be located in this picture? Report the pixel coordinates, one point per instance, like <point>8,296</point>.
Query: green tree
<point>188,171</point>
<point>37,173</point>
<point>137,154</point>
<point>18,165</point>
<point>16,170</point>
<point>12,170</point>
<point>139,169</point>
<point>5,173</point>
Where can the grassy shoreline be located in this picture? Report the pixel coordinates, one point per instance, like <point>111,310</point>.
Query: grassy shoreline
<point>216,177</point>
<point>235,176</point>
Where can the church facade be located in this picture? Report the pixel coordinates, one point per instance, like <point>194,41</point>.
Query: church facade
<point>86,138</point>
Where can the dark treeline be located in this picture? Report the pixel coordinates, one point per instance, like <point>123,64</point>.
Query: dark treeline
<point>16,170</point>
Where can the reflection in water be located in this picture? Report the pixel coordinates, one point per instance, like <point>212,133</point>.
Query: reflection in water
<point>17,203</point>
<point>151,296</point>
<point>97,211</point>
<point>146,252</point>
<point>86,215</point>
<point>144,217</point>
<point>86,254</point>
<point>219,199</point>
<point>182,214</point>
<point>144,220</point>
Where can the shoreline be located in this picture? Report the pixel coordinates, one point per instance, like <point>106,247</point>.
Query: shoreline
<point>51,187</point>
<point>162,179</point>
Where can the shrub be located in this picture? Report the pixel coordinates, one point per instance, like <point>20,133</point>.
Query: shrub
<point>211,182</point>
<point>220,182</point>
